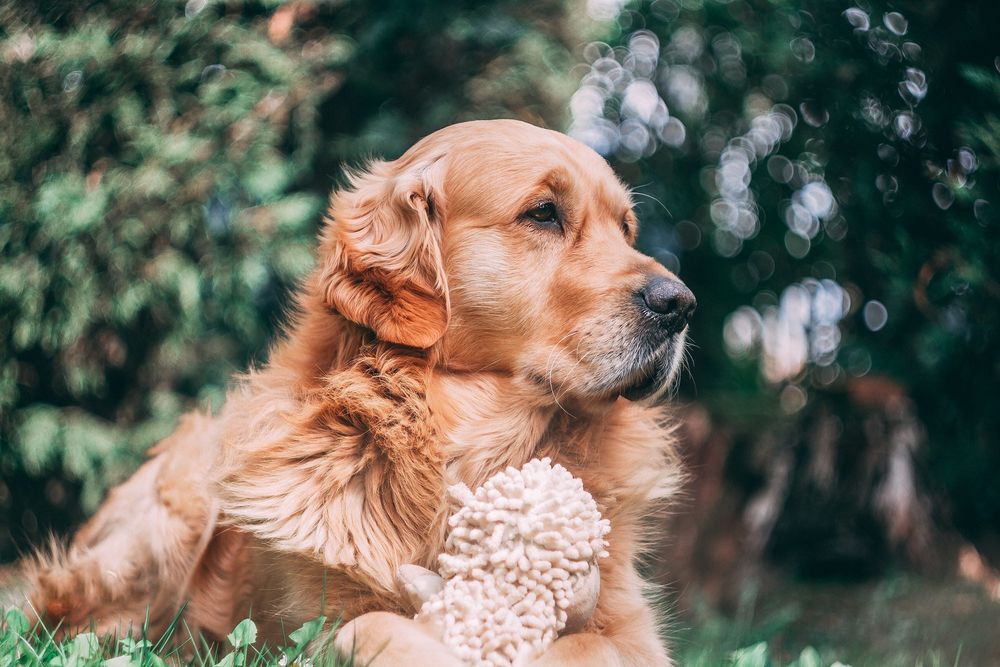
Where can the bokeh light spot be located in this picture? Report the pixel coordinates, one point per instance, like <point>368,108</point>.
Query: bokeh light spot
<point>875,315</point>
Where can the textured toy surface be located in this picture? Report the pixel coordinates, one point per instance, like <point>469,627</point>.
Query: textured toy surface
<point>521,553</point>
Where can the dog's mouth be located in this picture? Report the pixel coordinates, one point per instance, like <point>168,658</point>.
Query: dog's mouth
<point>645,379</point>
<point>645,386</point>
<point>649,379</point>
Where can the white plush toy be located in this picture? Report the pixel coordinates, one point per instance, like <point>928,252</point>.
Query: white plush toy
<point>519,565</point>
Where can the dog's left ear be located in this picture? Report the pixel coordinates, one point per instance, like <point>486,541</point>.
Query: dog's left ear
<point>380,254</point>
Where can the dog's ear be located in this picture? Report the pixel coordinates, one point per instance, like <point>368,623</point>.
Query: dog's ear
<point>380,255</point>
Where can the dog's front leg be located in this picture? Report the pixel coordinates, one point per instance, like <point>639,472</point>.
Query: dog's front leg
<point>589,649</point>
<point>384,639</point>
<point>622,632</point>
<point>582,649</point>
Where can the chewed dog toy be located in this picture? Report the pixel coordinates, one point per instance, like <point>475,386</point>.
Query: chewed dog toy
<point>519,565</point>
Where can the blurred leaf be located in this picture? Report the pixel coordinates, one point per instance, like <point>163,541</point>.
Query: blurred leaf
<point>752,656</point>
<point>121,661</point>
<point>244,634</point>
<point>16,621</point>
<point>82,649</point>
<point>809,658</point>
<point>301,637</point>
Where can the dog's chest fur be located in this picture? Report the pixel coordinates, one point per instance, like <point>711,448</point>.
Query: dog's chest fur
<point>624,453</point>
<point>487,423</point>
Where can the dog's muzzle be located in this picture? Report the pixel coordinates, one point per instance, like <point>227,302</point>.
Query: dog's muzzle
<point>667,306</point>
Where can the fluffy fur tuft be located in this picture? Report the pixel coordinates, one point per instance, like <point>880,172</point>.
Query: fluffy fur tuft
<point>353,478</point>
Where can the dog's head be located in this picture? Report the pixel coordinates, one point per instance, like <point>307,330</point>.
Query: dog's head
<point>509,249</point>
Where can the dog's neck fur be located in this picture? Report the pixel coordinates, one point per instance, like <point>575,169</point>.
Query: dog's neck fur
<point>490,420</point>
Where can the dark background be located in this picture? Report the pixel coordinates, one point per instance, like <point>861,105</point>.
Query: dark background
<point>824,175</point>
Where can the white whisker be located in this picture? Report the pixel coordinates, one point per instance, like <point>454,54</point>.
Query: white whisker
<point>648,196</point>
<point>550,368</point>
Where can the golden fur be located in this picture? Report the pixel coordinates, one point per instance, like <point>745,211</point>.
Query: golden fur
<point>442,337</point>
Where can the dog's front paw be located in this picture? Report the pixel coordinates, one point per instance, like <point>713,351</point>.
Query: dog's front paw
<point>383,639</point>
<point>581,606</point>
<point>417,584</point>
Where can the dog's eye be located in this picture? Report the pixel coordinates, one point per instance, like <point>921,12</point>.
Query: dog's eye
<point>544,213</point>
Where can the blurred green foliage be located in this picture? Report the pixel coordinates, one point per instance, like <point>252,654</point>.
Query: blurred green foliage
<point>826,176</point>
<point>162,175</point>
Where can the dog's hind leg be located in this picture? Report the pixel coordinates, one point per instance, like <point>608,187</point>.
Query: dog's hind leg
<point>128,566</point>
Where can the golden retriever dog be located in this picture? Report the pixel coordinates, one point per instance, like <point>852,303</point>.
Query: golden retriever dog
<point>476,303</point>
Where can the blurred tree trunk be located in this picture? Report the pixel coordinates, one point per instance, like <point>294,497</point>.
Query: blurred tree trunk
<point>836,490</point>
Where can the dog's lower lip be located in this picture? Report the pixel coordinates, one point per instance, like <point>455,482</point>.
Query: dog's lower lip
<point>645,385</point>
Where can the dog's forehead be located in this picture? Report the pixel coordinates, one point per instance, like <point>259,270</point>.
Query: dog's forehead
<point>510,158</point>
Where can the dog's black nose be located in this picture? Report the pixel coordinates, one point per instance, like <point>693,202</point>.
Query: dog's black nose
<point>671,301</point>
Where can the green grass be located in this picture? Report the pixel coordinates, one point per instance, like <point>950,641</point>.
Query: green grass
<point>22,645</point>
<point>900,621</point>
<point>743,640</point>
